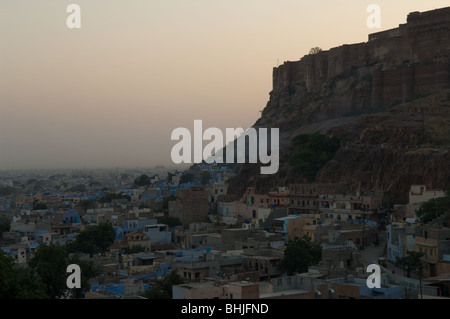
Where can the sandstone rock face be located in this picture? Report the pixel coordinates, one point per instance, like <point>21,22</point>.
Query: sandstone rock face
<point>389,96</point>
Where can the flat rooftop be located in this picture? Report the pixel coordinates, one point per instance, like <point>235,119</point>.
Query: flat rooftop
<point>282,293</point>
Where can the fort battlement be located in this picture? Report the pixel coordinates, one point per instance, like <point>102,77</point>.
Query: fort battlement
<point>393,66</point>
<point>418,23</point>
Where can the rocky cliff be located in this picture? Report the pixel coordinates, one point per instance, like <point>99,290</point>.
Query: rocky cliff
<point>389,97</point>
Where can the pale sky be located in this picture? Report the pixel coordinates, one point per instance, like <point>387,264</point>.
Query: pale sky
<point>110,93</point>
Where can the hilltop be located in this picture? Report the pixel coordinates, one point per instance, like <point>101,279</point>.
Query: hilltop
<point>388,99</point>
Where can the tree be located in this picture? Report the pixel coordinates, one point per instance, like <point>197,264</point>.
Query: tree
<point>299,255</point>
<point>38,205</point>
<point>50,264</point>
<point>18,282</point>
<point>186,177</point>
<point>411,262</point>
<point>170,221</point>
<point>88,270</point>
<point>433,208</point>
<point>7,190</point>
<point>134,249</point>
<point>5,225</point>
<point>166,201</point>
<point>80,188</point>
<point>142,180</point>
<point>162,289</point>
<point>108,197</point>
<point>93,240</point>
<point>206,176</point>
<point>312,152</point>
<point>315,50</point>
<point>86,204</point>
<point>169,176</point>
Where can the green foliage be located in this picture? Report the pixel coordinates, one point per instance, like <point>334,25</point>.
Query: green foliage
<point>433,208</point>
<point>312,152</point>
<point>142,180</point>
<point>162,289</point>
<point>186,177</point>
<point>5,225</point>
<point>86,204</point>
<point>108,197</point>
<point>206,176</point>
<point>299,254</point>
<point>315,50</point>
<point>411,262</point>
<point>80,188</point>
<point>167,200</point>
<point>138,248</point>
<point>88,270</point>
<point>18,282</point>
<point>93,240</point>
<point>7,190</point>
<point>39,206</point>
<point>169,176</point>
<point>50,263</point>
<point>170,221</point>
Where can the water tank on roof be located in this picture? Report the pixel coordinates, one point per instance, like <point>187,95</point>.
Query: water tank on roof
<point>208,249</point>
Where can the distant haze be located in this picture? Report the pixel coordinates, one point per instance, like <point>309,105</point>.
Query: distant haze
<point>110,94</point>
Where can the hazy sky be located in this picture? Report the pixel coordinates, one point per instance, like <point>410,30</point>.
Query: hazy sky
<point>110,94</point>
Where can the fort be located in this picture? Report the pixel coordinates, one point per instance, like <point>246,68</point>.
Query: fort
<point>393,66</point>
<point>390,95</point>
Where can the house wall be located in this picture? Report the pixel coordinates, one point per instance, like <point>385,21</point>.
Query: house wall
<point>239,291</point>
<point>193,292</point>
<point>419,194</point>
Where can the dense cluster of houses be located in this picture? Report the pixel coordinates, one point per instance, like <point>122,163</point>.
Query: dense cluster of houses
<point>230,247</point>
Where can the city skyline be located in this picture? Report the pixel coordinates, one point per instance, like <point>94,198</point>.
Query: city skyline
<point>110,93</point>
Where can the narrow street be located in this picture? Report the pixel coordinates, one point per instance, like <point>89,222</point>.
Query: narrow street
<point>370,255</point>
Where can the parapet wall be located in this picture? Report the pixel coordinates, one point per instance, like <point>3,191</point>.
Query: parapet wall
<point>396,64</point>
